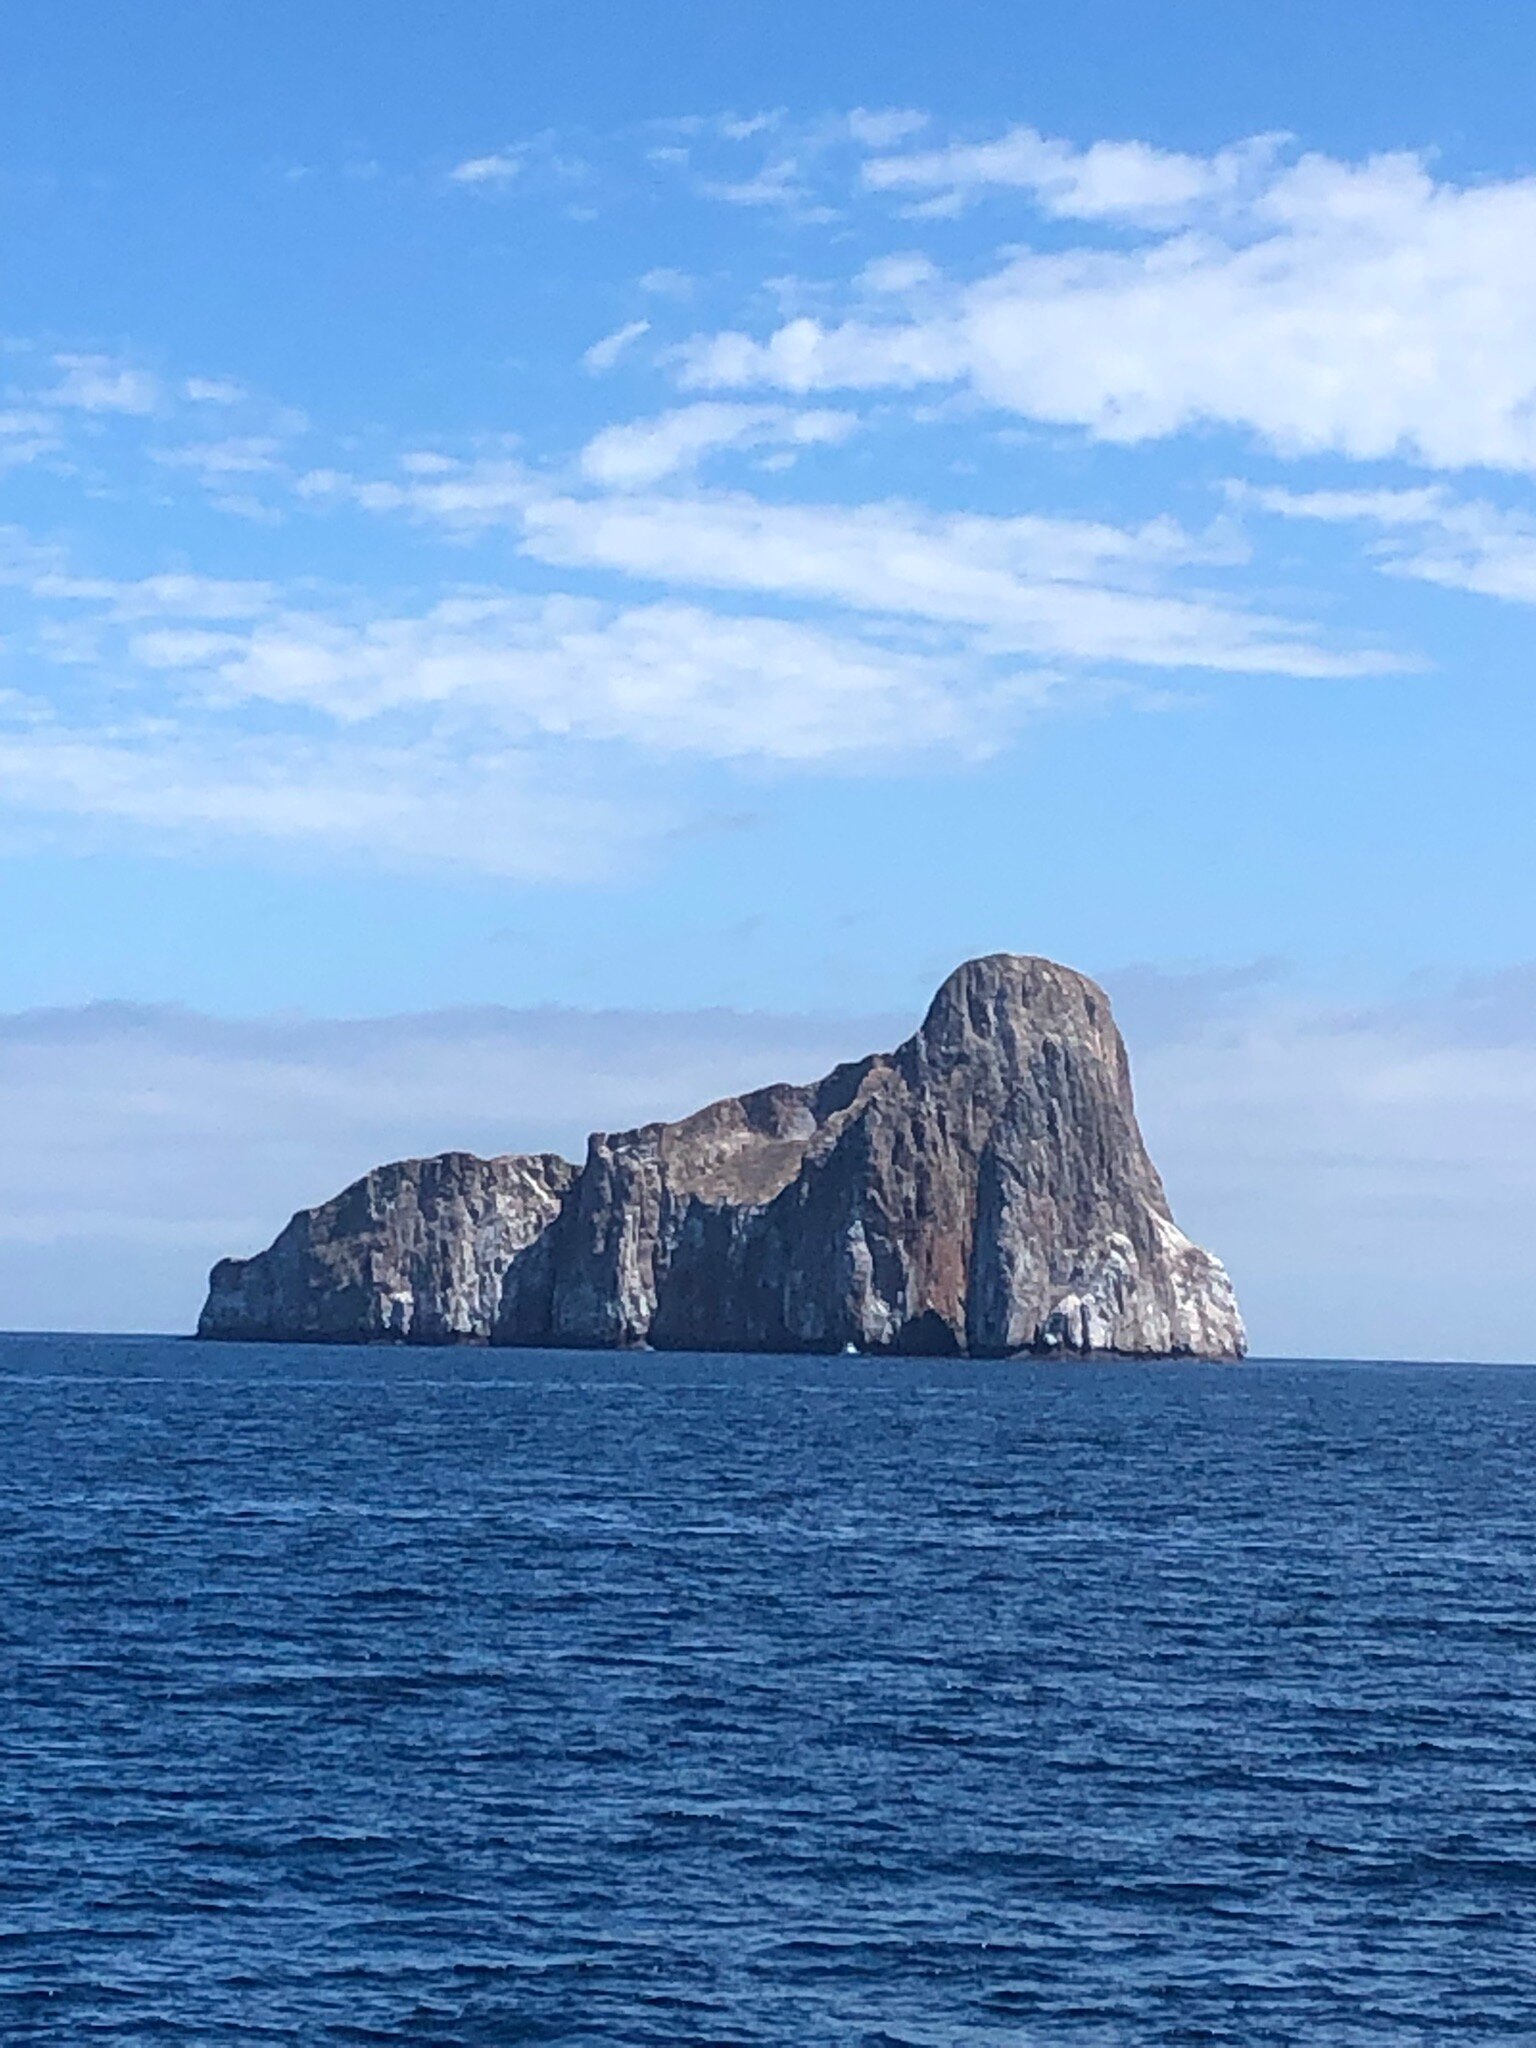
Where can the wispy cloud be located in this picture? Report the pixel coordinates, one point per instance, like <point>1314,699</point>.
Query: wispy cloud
<point>24,436</point>
<point>173,594</point>
<point>1428,534</point>
<point>1052,588</point>
<point>499,168</point>
<point>884,127</point>
<point>665,282</point>
<point>906,271</point>
<point>460,494</point>
<point>668,679</point>
<point>743,127</point>
<point>602,355</point>
<point>1106,181</point>
<point>639,453</point>
<point>776,183</point>
<point>239,455</point>
<point>91,383</point>
<point>414,806</point>
<point>214,391</point>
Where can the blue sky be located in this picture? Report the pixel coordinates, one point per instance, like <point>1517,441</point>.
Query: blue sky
<point>720,512</point>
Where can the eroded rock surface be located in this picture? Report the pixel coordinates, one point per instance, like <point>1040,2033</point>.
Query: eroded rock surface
<point>415,1252</point>
<point>983,1189</point>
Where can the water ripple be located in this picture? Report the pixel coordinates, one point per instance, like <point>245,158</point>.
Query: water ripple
<point>463,1700</point>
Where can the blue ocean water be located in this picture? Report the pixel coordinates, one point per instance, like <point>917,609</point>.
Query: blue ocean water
<point>490,1698</point>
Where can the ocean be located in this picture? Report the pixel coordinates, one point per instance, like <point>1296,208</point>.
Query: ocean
<point>436,1697</point>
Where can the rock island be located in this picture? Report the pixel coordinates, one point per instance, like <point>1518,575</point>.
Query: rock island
<point>981,1190</point>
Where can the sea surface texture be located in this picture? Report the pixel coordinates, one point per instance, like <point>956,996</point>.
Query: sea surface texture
<point>494,1698</point>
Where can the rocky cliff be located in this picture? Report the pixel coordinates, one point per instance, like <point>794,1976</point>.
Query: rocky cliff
<point>414,1252</point>
<point>982,1189</point>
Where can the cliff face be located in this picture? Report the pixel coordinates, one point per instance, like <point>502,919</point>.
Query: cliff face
<point>982,1189</point>
<point>414,1252</point>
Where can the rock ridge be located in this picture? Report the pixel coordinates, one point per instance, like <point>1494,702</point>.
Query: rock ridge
<point>983,1189</point>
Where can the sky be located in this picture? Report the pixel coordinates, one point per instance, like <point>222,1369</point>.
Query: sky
<point>559,560</point>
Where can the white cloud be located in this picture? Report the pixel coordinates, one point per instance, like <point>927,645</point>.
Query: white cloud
<point>1465,544</point>
<point>778,183</point>
<point>414,806</point>
<point>901,273</point>
<point>214,391</point>
<point>241,455</point>
<point>24,436</point>
<point>460,495</point>
<point>246,505</point>
<point>884,127</point>
<point>175,594</point>
<point>1053,588</point>
<point>666,283</point>
<point>1363,309</point>
<point>98,384</point>
<point>665,678</point>
<point>742,127</point>
<point>496,169</point>
<point>1108,180</point>
<point>806,355</point>
<point>642,452</point>
<point>1385,507</point>
<point>602,355</point>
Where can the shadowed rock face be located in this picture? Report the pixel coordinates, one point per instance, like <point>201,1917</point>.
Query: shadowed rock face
<point>982,1189</point>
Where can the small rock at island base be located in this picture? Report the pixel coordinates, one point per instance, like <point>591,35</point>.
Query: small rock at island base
<point>984,1189</point>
